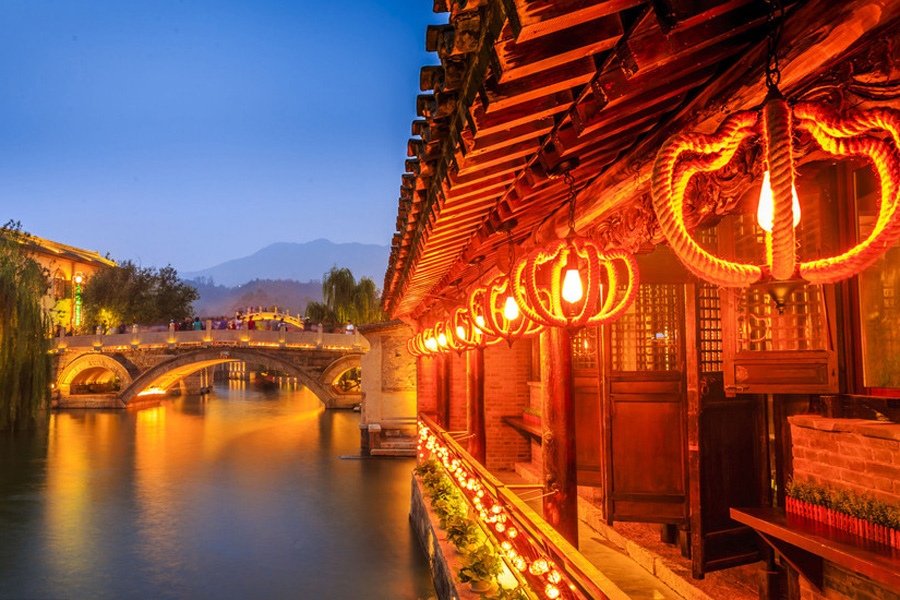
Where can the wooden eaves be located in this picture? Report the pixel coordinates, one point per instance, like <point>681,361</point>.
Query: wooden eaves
<point>524,84</point>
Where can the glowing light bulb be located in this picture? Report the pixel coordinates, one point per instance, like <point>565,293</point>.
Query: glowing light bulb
<point>442,339</point>
<point>571,288</point>
<point>460,332</point>
<point>511,309</point>
<point>431,344</point>
<point>554,577</point>
<point>539,567</point>
<point>766,210</point>
<point>479,321</point>
<point>551,591</point>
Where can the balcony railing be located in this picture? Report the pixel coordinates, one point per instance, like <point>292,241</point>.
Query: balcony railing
<point>516,526</point>
<point>297,340</point>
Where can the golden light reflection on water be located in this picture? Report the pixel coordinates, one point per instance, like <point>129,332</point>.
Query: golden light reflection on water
<point>76,477</point>
<point>240,494</point>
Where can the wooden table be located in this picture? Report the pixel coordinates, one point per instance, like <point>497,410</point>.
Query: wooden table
<point>805,544</point>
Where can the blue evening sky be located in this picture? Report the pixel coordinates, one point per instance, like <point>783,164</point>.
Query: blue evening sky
<point>192,132</point>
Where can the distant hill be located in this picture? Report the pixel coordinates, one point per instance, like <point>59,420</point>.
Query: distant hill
<point>216,300</point>
<point>300,262</point>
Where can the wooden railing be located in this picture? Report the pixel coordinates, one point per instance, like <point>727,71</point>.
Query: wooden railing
<point>296,340</point>
<point>587,580</point>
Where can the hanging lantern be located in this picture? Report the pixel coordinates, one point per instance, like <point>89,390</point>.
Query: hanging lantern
<point>849,134</point>
<point>466,331</point>
<point>572,298</point>
<point>492,304</point>
<point>561,285</point>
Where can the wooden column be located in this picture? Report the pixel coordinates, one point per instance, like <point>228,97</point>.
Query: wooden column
<point>475,402</point>
<point>558,447</point>
<point>442,383</point>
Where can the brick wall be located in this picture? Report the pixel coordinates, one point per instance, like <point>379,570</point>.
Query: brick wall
<point>506,372</point>
<point>458,394</point>
<point>855,454</point>
<point>425,388</point>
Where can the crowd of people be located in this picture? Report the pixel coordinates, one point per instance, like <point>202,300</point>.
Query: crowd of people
<point>246,319</point>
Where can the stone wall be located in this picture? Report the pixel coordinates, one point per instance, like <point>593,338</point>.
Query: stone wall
<point>389,381</point>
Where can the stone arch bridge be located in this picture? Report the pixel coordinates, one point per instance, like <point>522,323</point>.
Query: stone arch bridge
<point>149,365</point>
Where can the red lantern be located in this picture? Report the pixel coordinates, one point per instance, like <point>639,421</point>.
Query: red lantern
<point>467,333</point>
<point>574,268</point>
<point>497,307</point>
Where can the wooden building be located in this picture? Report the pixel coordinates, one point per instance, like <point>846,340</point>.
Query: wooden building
<point>686,405</point>
<point>69,268</point>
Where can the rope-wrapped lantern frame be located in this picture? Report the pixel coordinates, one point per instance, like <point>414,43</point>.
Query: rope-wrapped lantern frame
<point>684,155</point>
<point>545,304</point>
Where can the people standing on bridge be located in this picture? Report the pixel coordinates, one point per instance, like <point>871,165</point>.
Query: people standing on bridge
<point>349,328</point>
<point>250,324</point>
<point>198,325</point>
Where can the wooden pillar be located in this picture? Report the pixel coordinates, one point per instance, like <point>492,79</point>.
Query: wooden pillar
<point>475,402</point>
<point>442,391</point>
<point>558,447</point>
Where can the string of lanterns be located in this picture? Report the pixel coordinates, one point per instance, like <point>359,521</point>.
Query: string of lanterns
<point>560,285</point>
<point>519,551</point>
<point>508,308</point>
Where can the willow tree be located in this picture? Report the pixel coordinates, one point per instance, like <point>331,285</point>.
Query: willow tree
<point>345,299</point>
<point>25,361</point>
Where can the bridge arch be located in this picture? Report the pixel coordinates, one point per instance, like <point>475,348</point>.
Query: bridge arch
<point>91,367</point>
<point>162,376</point>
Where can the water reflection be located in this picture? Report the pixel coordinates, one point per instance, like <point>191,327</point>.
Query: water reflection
<point>240,494</point>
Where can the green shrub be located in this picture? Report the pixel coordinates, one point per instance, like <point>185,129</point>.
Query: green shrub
<point>479,564</point>
<point>461,530</point>
<point>861,506</point>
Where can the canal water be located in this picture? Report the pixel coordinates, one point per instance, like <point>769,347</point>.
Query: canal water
<point>243,494</point>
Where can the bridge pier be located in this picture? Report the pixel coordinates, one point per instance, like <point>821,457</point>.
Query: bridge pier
<point>195,383</point>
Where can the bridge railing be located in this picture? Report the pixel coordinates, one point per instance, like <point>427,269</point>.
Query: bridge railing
<point>311,340</point>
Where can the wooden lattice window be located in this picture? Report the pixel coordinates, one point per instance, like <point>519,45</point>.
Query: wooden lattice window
<point>801,326</point>
<point>709,322</point>
<point>646,337</point>
<point>584,349</point>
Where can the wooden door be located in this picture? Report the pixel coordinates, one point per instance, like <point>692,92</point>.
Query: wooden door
<point>726,444</point>
<point>644,409</point>
<point>586,375</point>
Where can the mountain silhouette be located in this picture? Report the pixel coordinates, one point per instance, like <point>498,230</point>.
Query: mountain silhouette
<point>299,261</point>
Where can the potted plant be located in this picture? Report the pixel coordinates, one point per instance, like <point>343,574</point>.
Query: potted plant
<point>504,593</point>
<point>461,531</point>
<point>479,567</point>
<point>531,416</point>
